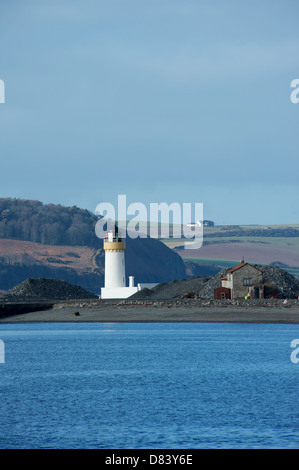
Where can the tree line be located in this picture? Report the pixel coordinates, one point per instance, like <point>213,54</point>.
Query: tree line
<point>268,232</point>
<point>50,224</point>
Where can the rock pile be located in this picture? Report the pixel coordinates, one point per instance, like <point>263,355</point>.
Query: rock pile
<point>207,292</point>
<point>173,289</point>
<point>47,289</point>
<point>203,287</point>
<point>286,283</point>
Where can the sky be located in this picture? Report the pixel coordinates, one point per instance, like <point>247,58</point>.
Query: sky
<point>182,101</point>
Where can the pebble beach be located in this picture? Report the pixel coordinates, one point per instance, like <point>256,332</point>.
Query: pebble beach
<point>193,310</point>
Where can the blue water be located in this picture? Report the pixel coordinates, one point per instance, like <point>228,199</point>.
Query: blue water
<point>148,386</point>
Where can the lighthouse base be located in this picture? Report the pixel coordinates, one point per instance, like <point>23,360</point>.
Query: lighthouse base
<point>117,292</point>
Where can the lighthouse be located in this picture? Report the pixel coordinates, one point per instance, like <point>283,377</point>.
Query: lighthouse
<point>115,269</point>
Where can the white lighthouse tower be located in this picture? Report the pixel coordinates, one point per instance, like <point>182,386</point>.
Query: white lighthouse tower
<point>115,270</point>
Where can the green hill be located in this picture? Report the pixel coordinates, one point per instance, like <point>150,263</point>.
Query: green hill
<point>223,246</point>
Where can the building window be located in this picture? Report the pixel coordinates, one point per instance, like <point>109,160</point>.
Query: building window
<point>247,281</point>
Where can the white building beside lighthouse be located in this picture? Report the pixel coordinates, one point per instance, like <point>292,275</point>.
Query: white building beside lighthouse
<point>115,269</point>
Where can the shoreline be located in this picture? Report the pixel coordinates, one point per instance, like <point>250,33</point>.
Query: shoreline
<point>165,311</point>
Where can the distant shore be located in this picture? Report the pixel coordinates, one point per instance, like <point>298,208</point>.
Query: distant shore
<point>166,311</point>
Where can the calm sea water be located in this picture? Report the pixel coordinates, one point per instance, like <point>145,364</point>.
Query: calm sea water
<point>148,386</point>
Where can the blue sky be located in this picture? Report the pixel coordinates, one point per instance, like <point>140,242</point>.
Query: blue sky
<point>161,100</point>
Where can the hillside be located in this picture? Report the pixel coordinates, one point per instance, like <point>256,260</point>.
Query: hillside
<point>223,246</point>
<point>53,241</point>
<point>48,224</point>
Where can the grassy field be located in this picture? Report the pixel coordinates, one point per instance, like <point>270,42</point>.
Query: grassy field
<point>235,243</point>
<point>225,263</point>
<point>287,241</point>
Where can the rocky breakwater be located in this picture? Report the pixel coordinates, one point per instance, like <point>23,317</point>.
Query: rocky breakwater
<point>214,303</point>
<point>177,303</point>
